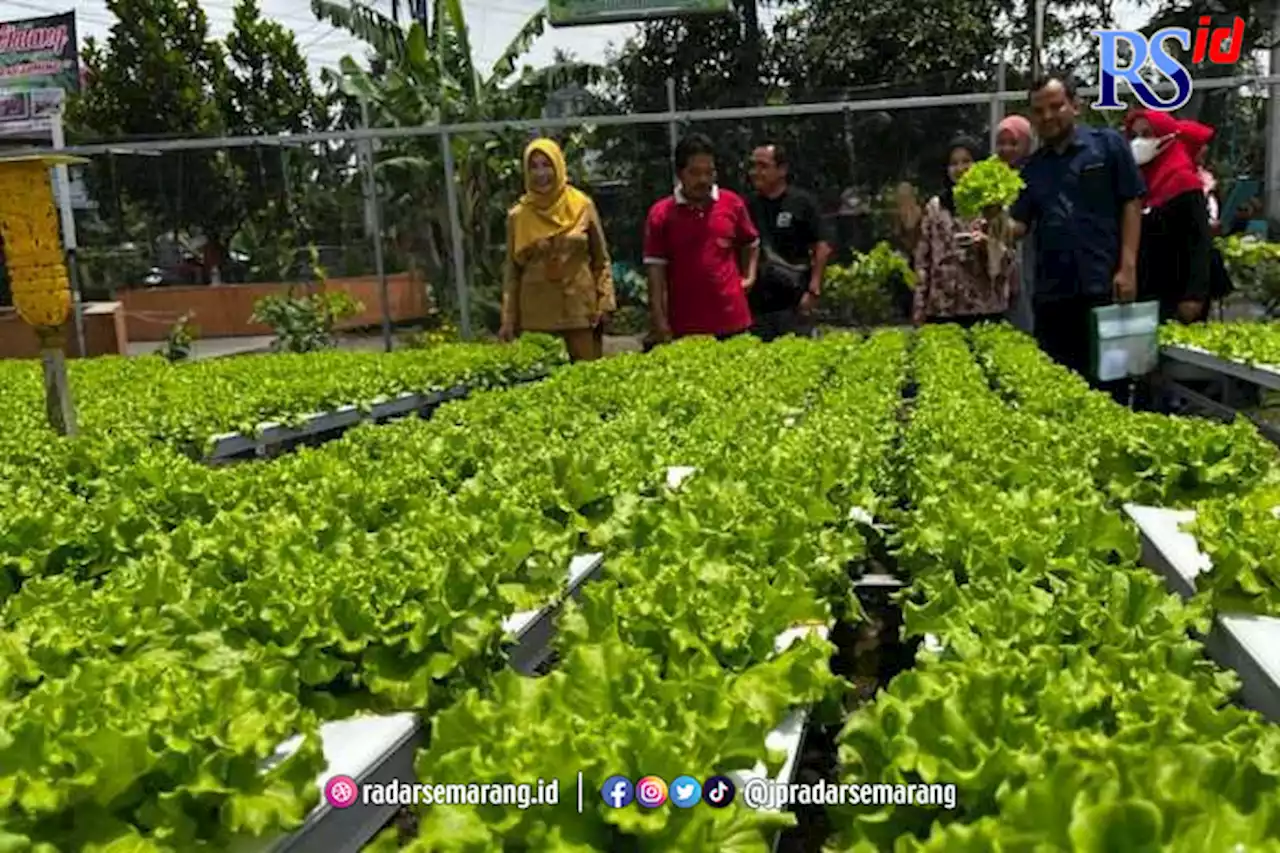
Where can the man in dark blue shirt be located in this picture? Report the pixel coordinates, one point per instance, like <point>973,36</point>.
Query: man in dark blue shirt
<point>1084,197</point>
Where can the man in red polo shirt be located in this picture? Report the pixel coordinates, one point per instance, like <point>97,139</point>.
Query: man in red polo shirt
<point>697,244</point>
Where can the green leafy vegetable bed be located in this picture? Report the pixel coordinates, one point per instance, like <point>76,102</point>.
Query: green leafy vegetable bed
<point>669,665</point>
<point>1254,344</point>
<point>163,624</point>
<point>1067,696</point>
<point>371,573</point>
<point>186,405</point>
<point>1242,540</point>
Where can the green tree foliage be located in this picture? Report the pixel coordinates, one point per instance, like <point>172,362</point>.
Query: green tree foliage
<point>424,76</point>
<point>160,74</point>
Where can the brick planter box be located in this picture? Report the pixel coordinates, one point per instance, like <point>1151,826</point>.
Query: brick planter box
<point>222,311</point>
<point>104,333</point>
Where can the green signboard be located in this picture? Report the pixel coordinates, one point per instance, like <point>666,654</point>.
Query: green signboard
<point>572,13</point>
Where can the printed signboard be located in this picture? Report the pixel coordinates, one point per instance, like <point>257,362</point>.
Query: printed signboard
<point>39,64</point>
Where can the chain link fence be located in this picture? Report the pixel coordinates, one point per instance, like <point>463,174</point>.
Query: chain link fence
<point>177,218</point>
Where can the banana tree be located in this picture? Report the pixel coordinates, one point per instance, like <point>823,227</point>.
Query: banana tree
<point>423,76</point>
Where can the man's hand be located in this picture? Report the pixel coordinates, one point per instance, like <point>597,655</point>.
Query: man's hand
<point>1190,310</point>
<point>507,333</point>
<point>1125,284</point>
<point>808,302</point>
<point>599,319</point>
<point>748,283</point>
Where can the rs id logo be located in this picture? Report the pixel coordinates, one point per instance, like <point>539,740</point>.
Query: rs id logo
<point>1222,46</point>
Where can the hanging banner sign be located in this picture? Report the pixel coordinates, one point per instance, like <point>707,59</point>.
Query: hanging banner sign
<point>573,13</point>
<point>39,64</point>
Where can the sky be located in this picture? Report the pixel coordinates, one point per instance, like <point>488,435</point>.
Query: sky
<point>493,24</point>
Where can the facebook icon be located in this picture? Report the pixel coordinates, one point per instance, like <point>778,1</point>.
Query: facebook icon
<point>617,791</point>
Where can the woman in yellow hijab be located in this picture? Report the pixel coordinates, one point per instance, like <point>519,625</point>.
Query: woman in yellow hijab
<point>558,277</point>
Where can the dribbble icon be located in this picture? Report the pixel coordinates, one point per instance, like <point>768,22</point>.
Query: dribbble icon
<point>651,792</point>
<point>616,791</point>
<point>341,792</point>
<point>685,792</point>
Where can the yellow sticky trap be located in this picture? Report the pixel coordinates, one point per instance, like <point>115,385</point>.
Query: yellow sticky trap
<point>33,247</point>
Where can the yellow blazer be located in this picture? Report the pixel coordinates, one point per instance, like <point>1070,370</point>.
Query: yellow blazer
<point>560,283</point>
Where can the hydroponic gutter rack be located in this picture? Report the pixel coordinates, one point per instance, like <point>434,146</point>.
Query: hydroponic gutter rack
<point>1264,376</point>
<point>789,736</point>
<point>1246,643</point>
<point>382,749</point>
<point>533,629</point>
<point>236,445</point>
<point>271,434</point>
<point>1221,411</point>
<point>878,581</point>
<point>369,750</point>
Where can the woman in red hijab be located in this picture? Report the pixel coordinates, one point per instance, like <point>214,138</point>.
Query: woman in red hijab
<point>1174,260</point>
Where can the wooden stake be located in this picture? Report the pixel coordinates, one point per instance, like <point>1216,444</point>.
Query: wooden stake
<point>57,390</point>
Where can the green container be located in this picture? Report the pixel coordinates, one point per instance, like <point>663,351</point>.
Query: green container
<point>1124,340</point>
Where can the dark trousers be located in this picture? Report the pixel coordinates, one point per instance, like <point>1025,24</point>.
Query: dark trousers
<point>1062,328</point>
<point>771,325</point>
<point>1175,261</point>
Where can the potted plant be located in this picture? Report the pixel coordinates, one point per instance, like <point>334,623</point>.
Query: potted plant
<point>862,293</point>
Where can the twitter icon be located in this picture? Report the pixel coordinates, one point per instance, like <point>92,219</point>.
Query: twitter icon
<point>685,792</point>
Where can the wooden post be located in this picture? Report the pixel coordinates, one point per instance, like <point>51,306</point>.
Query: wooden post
<point>38,271</point>
<point>58,404</point>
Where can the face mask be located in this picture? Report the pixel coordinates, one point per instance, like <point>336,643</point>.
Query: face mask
<point>1145,149</point>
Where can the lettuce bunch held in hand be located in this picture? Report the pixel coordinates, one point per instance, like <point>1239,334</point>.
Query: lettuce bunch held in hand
<point>991,183</point>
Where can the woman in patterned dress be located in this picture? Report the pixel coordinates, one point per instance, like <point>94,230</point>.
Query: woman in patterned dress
<point>957,281</point>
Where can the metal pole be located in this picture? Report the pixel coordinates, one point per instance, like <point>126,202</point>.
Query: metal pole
<point>673,129</point>
<point>373,208</point>
<point>997,103</point>
<point>1037,39</point>
<point>1273,122</point>
<point>455,233</point>
<point>68,217</point>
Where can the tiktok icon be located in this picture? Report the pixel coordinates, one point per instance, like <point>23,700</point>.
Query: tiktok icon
<point>718,791</point>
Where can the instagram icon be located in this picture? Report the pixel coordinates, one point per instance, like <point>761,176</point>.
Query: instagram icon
<point>651,792</point>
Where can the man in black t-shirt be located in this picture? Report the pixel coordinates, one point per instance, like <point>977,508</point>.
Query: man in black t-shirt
<point>794,248</point>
